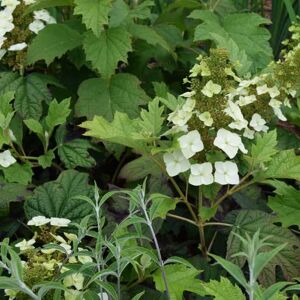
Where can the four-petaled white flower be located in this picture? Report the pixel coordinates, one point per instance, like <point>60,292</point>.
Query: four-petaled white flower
<point>229,142</point>
<point>245,100</point>
<point>17,47</point>
<point>44,15</point>
<point>226,173</point>
<point>25,245</point>
<point>248,133</point>
<point>84,259</point>
<point>273,91</point>
<point>38,221</point>
<point>75,279</point>
<point>201,174</point>
<point>276,105</point>
<point>179,117</point>
<point>176,163</point>
<point>211,89</point>
<point>258,123</point>
<point>189,105</point>
<point>36,26</point>
<point>191,143</point>
<point>263,89</point>
<point>206,118</point>
<point>60,222</point>
<point>6,159</point>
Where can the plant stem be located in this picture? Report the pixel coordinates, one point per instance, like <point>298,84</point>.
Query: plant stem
<point>182,219</point>
<point>190,208</point>
<point>161,262</point>
<point>217,224</point>
<point>202,240</point>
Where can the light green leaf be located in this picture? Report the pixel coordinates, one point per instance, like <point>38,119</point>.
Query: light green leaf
<point>139,169</point>
<point>75,153</point>
<point>104,97</point>
<point>57,113</point>
<point>249,221</point>
<point>223,290</point>
<point>286,204</point>
<point>105,51</point>
<point>286,165</point>
<point>180,278</point>
<point>51,42</point>
<point>263,149</point>
<point>238,40</point>
<point>18,173</point>
<point>262,259</point>
<point>31,92</point>
<point>234,270</point>
<point>56,198</point>
<point>138,296</point>
<point>8,283</point>
<point>35,126</point>
<point>152,119</point>
<point>206,213</point>
<point>46,160</point>
<point>121,130</point>
<point>94,13</point>
<point>161,205</point>
<point>10,192</point>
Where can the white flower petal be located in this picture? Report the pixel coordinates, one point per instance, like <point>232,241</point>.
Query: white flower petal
<point>38,221</point>
<point>60,222</point>
<point>17,47</point>
<point>36,26</point>
<point>6,159</point>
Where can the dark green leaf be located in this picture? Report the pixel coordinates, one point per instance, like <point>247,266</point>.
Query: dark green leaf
<point>51,42</point>
<point>104,97</point>
<point>55,198</point>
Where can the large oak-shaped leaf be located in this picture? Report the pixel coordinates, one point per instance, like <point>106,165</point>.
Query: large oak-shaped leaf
<point>104,97</point>
<point>51,42</point>
<point>56,198</point>
<point>105,51</point>
<point>248,43</point>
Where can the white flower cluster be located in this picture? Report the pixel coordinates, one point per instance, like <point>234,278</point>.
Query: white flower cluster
<point>41,19</point>
<point>73,282</point>
<point>229,139</point>
<point>243,96</point>
<point>202,174</point>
